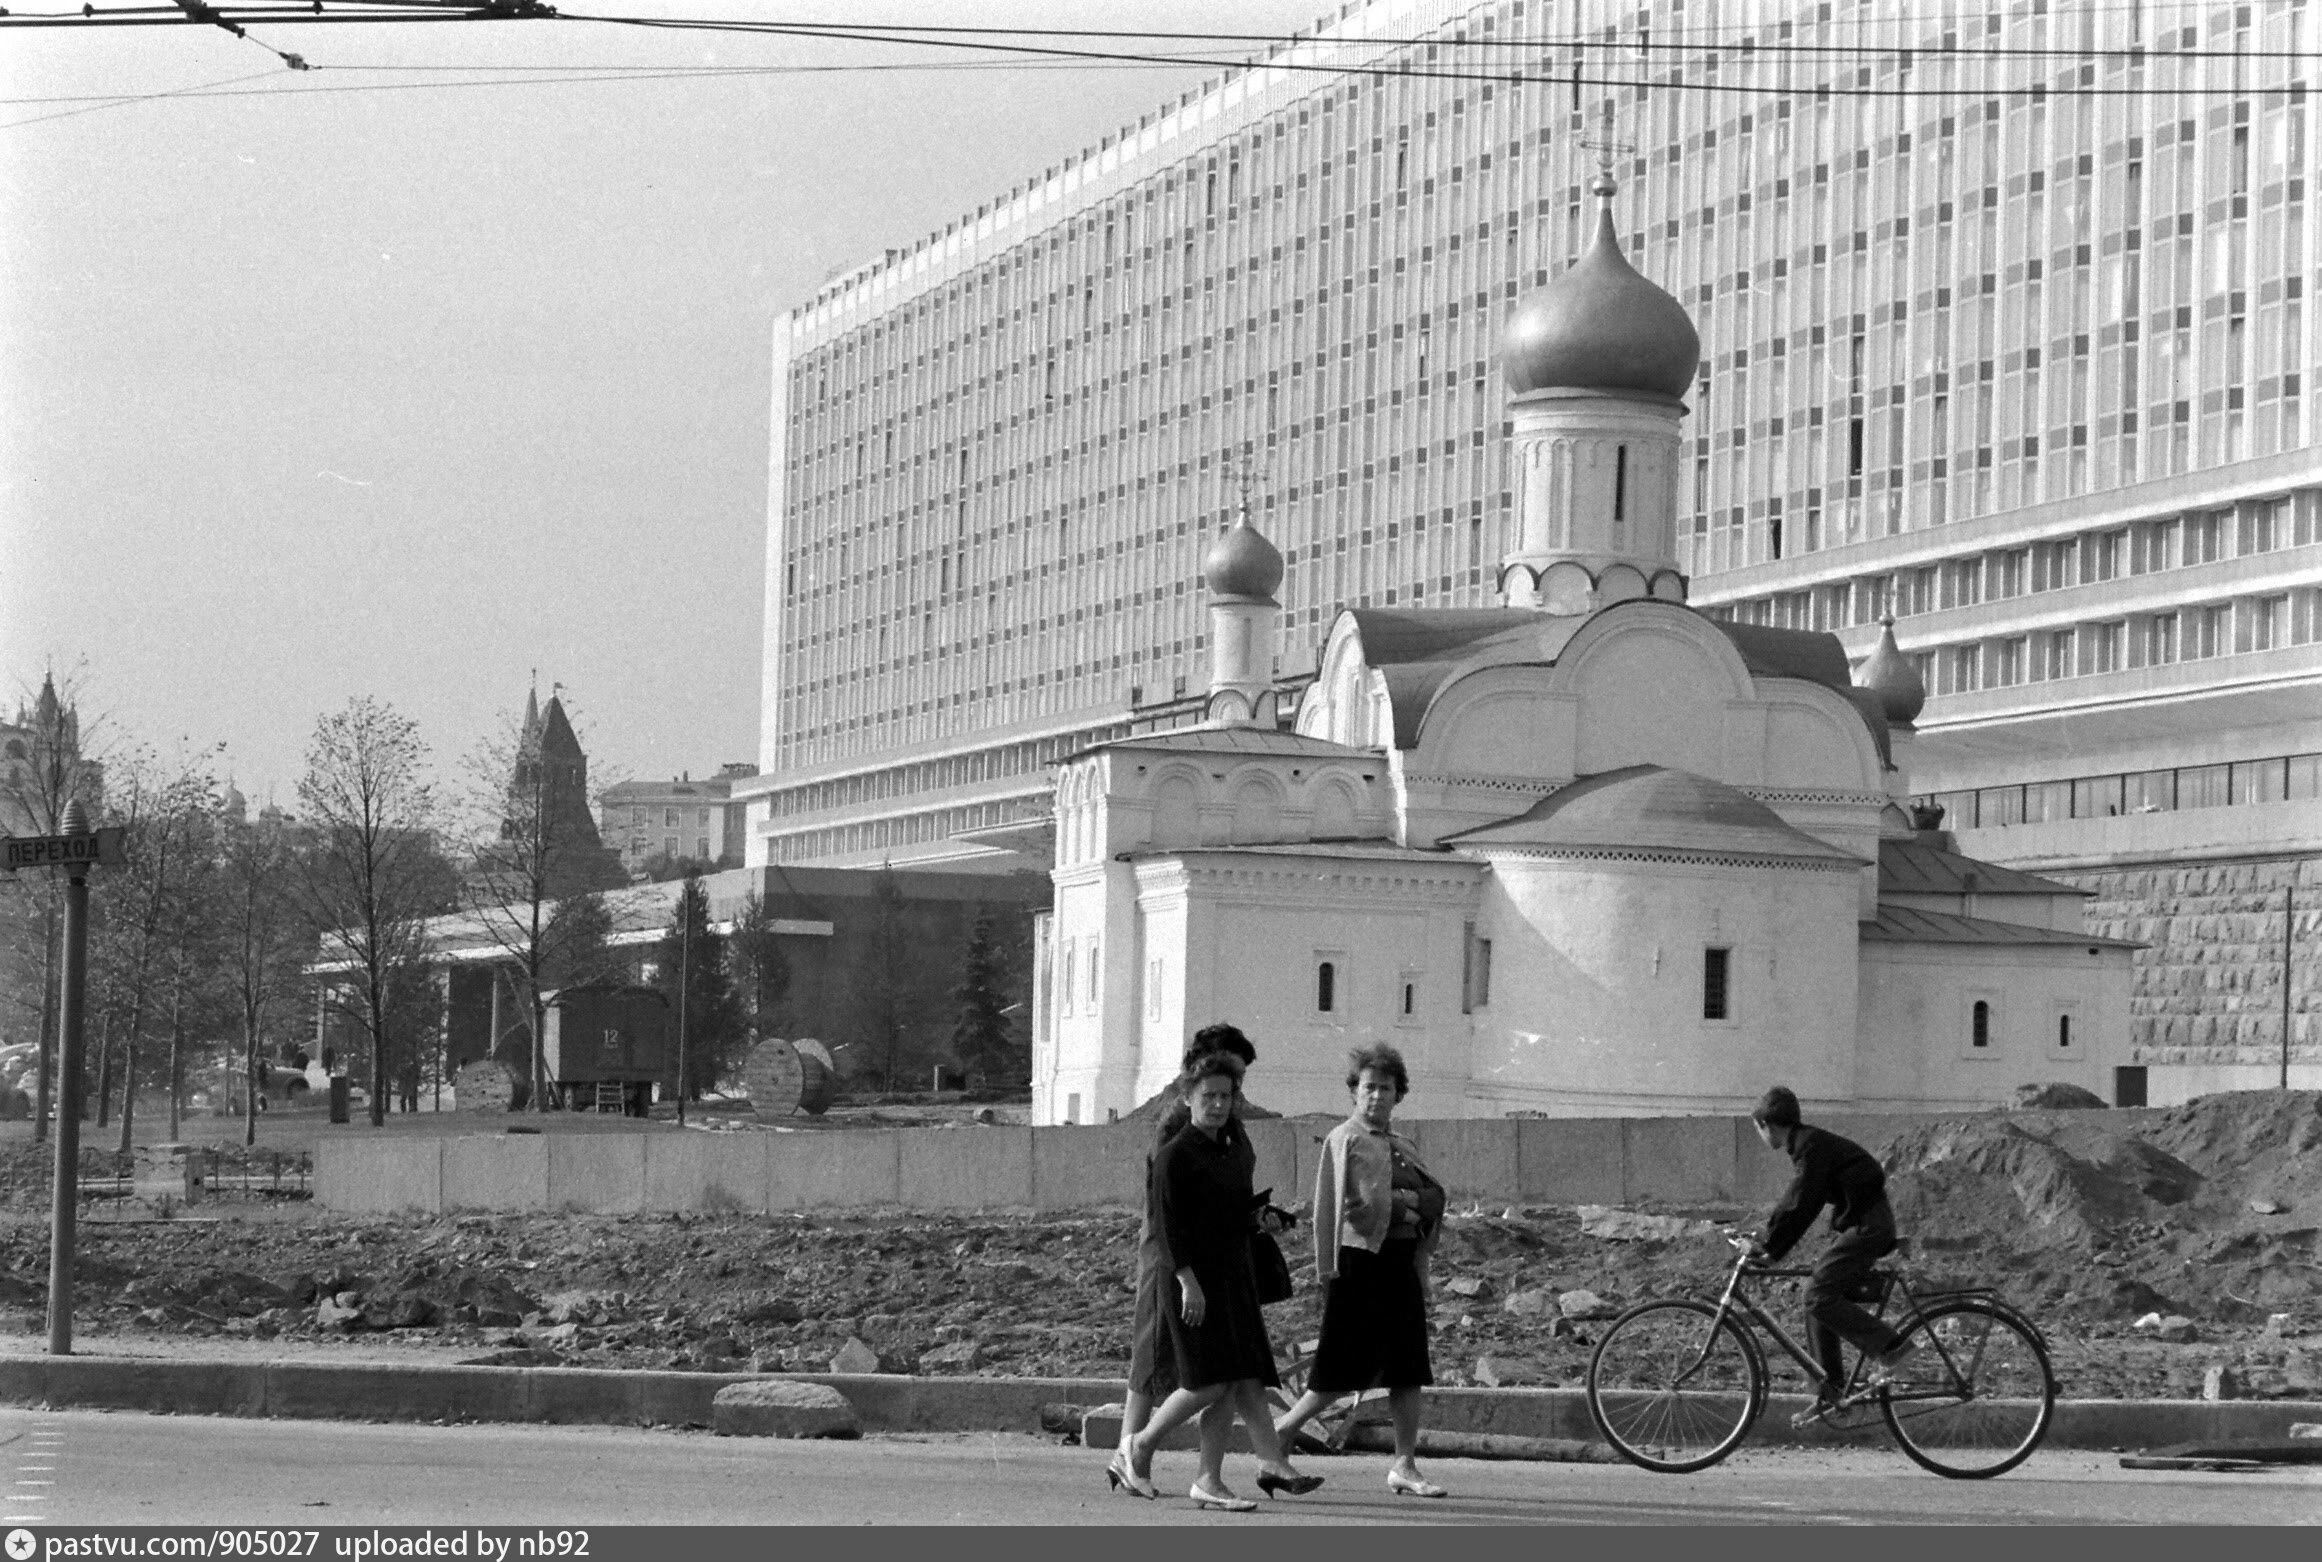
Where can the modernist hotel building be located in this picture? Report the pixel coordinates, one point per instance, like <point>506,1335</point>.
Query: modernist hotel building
<point>2006,328</point>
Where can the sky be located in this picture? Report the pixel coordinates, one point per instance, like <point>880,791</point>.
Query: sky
<point>404,376</point>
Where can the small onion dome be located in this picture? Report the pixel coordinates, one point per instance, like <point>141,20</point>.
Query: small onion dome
<point>1894,676</point>
<point>1242,564</point>
<point>1601,326</point>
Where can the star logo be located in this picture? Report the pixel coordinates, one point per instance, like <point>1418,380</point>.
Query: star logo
<point>21,1545</point>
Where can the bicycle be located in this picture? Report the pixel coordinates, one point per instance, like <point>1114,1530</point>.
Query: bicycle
<point>1676,1384</point>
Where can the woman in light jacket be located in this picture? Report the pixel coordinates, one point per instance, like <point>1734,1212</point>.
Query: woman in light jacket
<point>1376,1216</point>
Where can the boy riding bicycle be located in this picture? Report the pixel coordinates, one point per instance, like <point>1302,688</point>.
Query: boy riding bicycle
<point>1837,1172</point>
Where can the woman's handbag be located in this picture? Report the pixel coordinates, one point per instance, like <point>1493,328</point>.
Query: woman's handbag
<point>1270,1267</point>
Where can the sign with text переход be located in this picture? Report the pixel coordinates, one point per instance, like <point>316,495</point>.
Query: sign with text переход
<point>107,847</point>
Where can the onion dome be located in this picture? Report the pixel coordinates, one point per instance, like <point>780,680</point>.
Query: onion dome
<point>1242,565</point>
<point>1893,676</point>
<point>1601,326</point>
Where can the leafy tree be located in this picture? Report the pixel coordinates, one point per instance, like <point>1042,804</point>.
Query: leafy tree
<point>692,973</point>
<point>373,875</point>
<point>981,1037</point>
<point>663,868</point>
<point>761,970</point>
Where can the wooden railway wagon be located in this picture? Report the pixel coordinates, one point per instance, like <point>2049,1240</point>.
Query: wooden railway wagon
<point>606,1046</point>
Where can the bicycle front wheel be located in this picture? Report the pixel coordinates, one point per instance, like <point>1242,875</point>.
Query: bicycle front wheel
<point>1674,1387</point>
<point>1977,1398</point>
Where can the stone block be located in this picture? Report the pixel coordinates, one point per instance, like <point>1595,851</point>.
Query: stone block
<point>495,1172</point>
<point>1276,1141</point>
<point>965,1168</point>
<point>600,1174</point>
<point>1568,1161</point>
<point>707,1173</point>
<point>835,1170</point>
<point>1682,1160</point>
<point>1088,1168</point>
<point>782,1408</point>
<point>379,1176</point>
<point>1474,1158</point>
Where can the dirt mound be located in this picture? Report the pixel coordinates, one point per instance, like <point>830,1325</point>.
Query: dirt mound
<point>2207,1210</point>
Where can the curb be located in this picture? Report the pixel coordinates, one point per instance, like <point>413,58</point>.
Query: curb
<point>377,1391</point>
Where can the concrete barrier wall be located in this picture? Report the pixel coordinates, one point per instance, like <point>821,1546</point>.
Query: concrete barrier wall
<point>1617,1161</point>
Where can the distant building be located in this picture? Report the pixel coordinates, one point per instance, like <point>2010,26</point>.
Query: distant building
<point>681,820</point>
<point>42,768</point>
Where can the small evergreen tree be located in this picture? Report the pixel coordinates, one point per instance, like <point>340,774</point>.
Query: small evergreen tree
<point>981,1037</point>
<point>693,972</point>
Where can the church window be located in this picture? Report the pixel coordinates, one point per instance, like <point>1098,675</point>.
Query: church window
<point>1979,1025</point>
<point>1475,977</point>
<point>1326,986</point>
<point>1620,484</point>
<point>1717,984</point>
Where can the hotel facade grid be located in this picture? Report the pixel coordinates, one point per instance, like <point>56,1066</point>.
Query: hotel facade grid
<point>2013,342</point>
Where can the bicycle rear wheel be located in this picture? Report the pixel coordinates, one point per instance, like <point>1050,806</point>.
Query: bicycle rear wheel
<point>1977,1398</point>
<point>1674,1387</point>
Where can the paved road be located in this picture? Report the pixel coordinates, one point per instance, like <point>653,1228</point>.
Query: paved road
<point>162,1470</point>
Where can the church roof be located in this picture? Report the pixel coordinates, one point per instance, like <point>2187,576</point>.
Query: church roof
<point>1923,868</point>
<point>556,734</point>
<point>1651,808</point>
<point>1909,925</point>
<point>1239,740</point>
<point>1418,650</point>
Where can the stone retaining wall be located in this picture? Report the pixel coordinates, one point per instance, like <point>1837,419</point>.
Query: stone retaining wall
<point>2208,986</point>
<point>1673,1161</point>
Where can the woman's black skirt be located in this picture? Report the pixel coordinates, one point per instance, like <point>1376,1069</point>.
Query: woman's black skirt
<point>1152,1364</point>
<point>1374,1323</point>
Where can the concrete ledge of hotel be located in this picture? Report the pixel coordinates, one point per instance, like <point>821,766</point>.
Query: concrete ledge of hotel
<point>377,1391</point>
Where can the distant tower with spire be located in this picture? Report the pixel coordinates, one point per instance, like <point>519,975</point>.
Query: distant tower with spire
<point>548,802</point>
<point>42,767</point>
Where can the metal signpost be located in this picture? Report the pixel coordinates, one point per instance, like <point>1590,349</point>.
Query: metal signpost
<point>76,851</point>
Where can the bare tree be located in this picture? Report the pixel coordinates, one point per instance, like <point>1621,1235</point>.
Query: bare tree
<point>538,869</point>
<point>372,876</point>
<point>58,766</point>
<point>263,937</point>
<point>166,813</point>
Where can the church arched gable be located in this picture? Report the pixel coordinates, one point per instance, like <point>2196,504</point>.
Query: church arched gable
<point>1176,792</point>
<point>1816,740</point>
<point>1653,685</point>
<point>1496,721</point>
<point>1256,798</point>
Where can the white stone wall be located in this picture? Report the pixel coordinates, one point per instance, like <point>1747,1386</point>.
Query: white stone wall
<point>1917,1024</point>
<point>1598,975</point>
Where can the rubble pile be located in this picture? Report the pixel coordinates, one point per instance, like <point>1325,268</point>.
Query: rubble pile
<point>2155,1248</point>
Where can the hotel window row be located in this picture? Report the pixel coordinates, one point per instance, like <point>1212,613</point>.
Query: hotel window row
<point>1005,449</point>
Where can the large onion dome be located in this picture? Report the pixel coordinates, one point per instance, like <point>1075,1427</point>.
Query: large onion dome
<point>1242,564</point>
<point>1601,326</point>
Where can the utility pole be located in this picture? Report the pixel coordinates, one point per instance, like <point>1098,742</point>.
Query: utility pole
<point>76,851</point>
<point>2289,926</point>
<point>684,981</point>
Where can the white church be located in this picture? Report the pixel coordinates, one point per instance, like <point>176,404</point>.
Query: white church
<point>1591,853</point>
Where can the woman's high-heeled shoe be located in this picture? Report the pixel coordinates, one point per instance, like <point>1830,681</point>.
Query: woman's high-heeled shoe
<point>1295,1484</point>
<point>1222,1501</point>
<point>1412,1486</point>
<point>1119,1477</point>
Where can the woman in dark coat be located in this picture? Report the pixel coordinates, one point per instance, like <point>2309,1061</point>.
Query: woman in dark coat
<point>1152,1365</point>
<point>1201,1200</point>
